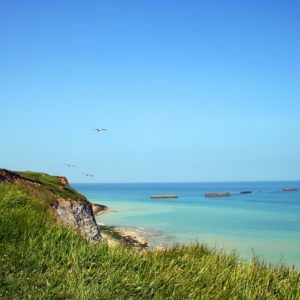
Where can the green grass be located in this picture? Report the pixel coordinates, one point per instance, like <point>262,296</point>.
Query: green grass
<point>40,260</point>
<point>52,184</point>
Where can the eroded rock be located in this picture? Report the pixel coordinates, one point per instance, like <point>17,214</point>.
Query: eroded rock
<point>70,207</point>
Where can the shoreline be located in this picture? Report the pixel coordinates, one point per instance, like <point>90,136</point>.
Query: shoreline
<point>136,237</point>
<point>118,234</point>
<point>115,235</point>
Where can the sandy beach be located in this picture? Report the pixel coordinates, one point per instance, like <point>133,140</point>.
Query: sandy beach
<point>137,237</point>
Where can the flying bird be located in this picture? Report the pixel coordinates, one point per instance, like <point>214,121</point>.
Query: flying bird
<point>100,129</point>
<point>70,166</point>
<point>88,174</point>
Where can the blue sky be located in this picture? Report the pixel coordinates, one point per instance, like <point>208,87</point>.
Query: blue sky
<point>188,90</point>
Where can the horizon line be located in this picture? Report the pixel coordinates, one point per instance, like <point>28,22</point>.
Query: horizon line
<point>221,181</point>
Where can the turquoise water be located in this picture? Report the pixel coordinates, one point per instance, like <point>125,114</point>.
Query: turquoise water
<point>266,222</point>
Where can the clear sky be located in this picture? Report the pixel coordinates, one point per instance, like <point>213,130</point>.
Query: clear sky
<point>188,90</point>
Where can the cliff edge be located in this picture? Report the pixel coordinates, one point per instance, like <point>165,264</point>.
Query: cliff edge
<point>69,207</point>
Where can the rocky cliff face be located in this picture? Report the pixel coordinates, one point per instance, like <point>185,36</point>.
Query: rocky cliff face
<point>70,207</point>
<point>77,214</point>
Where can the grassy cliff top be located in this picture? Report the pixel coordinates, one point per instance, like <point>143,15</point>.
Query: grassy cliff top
<point>42,185</point>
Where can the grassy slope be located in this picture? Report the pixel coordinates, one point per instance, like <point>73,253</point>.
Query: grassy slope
<point>40,260</point>
<point>52,183</point>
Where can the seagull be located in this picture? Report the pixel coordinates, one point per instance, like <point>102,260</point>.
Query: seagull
<point>100,129</point>
<point>88,174</point>
<point>70,166</point>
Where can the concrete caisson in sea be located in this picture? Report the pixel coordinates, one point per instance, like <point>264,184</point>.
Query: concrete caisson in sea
<point>163,196</point>
<point>217,194</point>
<point>289,189</point>
<point>245,192</point>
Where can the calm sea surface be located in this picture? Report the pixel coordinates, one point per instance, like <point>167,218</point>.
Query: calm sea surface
<point>266,222</point>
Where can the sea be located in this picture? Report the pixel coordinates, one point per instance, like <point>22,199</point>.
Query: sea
<point>264,224</point>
